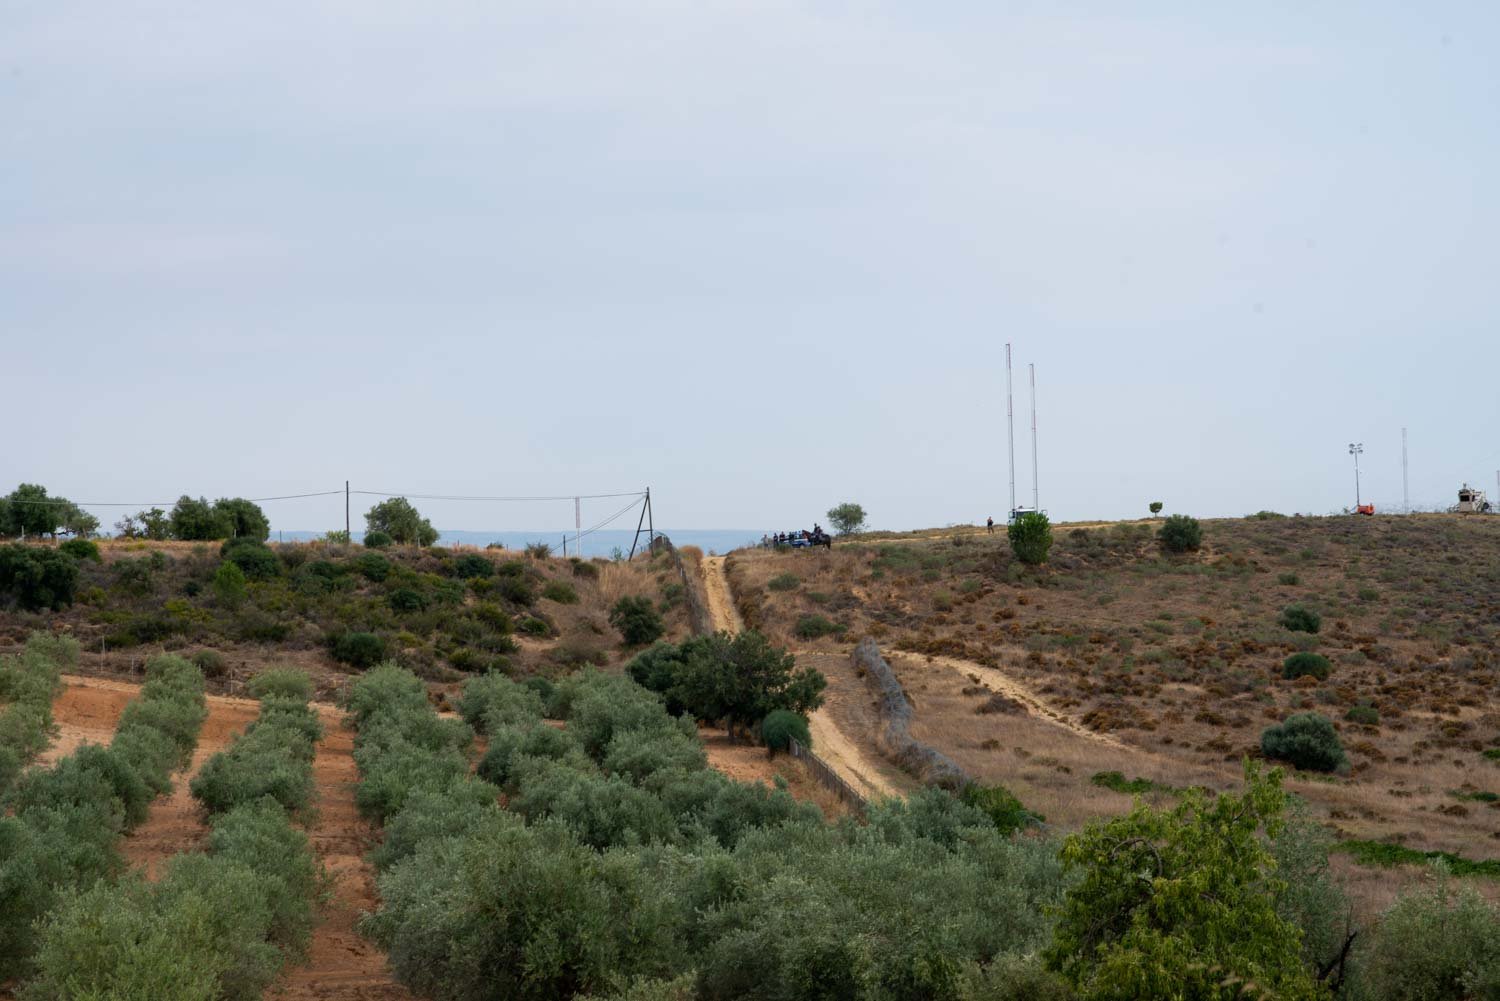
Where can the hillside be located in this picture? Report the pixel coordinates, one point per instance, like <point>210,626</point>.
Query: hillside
<point>1116,657</point>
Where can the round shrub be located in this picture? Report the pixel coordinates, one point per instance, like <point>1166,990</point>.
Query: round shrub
<point>561,592</point>
<point>784,582</point>
<point>377,540</point>
<point>255,559</point>
<point>637,620</point>
<point>1301,665</point>
<point>1364,715</point>
<point>282,682</point>
<point>471,565</point>
<point>1305,740</point>
<point>533,626</point>
<point>407,599</point>
<point>210,662</point>
<point>81,549</point>
<point>1180,534</point>
<point>542,686</point>
<point>1001,805</point>
<point>1300,620</point>
<point>1030,537</point>
<point>358,649</point>
<point>781,727</point>
<point>810,627</point>
<point>373,566</point>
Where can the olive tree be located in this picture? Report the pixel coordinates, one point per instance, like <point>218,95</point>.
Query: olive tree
<point>847,518</point>
<point>403,523</point>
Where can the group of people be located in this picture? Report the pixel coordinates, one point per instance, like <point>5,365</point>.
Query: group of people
<point>815,536</point>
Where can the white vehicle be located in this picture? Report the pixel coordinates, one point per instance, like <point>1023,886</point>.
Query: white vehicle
<point>1471,501</point>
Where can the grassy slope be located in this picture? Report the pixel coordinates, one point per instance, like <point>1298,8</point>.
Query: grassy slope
<point>1178,659</point>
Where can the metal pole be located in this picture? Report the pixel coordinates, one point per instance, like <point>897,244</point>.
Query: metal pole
<point>1356,479</point>
<point>650,520</point>
<point>577,526</point>
<point>346,511</point>
<point>1010,433</point>
<point>638,523</point>
<point>1405,494</point>
<point>1036,503</point>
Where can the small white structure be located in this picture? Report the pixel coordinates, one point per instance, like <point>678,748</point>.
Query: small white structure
<point>1472,501</point>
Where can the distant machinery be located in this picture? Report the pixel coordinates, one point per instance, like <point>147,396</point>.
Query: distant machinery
<point>1472,501</point>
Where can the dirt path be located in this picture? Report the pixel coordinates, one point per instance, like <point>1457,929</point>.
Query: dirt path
<point>1015,690</point>
<point>341,965</point>
<point>832,746</point>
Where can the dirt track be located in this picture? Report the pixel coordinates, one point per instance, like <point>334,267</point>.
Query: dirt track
<point>831,744</point>
<point>341,964</point>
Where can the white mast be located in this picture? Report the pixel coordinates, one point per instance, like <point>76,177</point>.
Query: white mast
<point>1036,504</point>
<point>1010,433</point>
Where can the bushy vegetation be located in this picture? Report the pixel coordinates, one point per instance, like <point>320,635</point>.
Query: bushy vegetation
<point>1305,740</point>
<point>64,822</point>
<point>28,684</point>
<point>225,518</point>
<point>1436,943</point>
<point>1030,537</point>
<point>1306,664</point>
<point>273,757</point>
<point>28,510</point>
<point>739,679</point>
<point>781,727</point>
<point>81,549</point>
<point>814,626</point>
<point>847,518</point>
<point>625,865</point>
<point>357,649</point>
<point>34,577</point>
<point>637,620</point>
<point>398,521</point>
<point>1180,534</point>
<point>1298,619</point>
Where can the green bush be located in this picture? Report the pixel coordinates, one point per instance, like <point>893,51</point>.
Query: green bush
<point>515,588</point>
<point>811,627</point>
<point>1364,715</point>
<point>531,625</point>
<point>372,566</point>
<point>561,592</point>
<point>781,727</point>
<point>357,649</point>
<point>378,540</point>
<point>1303,664</point>
<point>493,700</point>
<point>1300,620</point>
<point>399,521</point>
<point>28,684</point>
<point>585,569</point>
<point>784,582</point>
<point>1180,534</point>
<point>82,549</point>
<point>253,557</point>
<point>229,585</point>
<point>1305,740</point>
<point>471,565</point>
<point>37,578</point>
<point>1436,943</point>
<point>282,682</point>
<point>1000,805</point>
<point>272,758</point>
<point>637,620</point>
<point>210,662</point>
<point>740,678</point>
<point>199,521</point>
<point>1030,537</point>
<point>407,599</point>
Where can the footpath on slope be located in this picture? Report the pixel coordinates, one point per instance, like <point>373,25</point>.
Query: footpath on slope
<point>341,965</point>
<point>829,742</point>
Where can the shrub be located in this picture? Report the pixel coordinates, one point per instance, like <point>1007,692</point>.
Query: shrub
<point>358,649</point>
<point>561,592</point>
<point>198,520</point>
<point>471,565</point>
<point>1030,537</point>
<point>637,620</point>
<point>533,626</point>
<point>398,520</point>
<point>781,727</point>
<point>1288,578</point>
<point>1300,620</point>
<point>36,578</point>
<point>585,569</point>
<point>407,599</point>
<point>784,582</point>
<point>81,549</point>
<point>253,557</point>
<point>229,584</point>
<point>538,550</point>
<point>1000,805</point>
<point>373,566</point>
<point>493,700</point>
<point>272,758</point>
<point>210,662</point>
<point>281,682</point>
<point>741,678</point>
<point>1442,942</point>
<point>1303,664</point>
<point>1363,715</point>
<point>811,627</point>
<point>1305,740</point>
<point>847,518</point>
<point>1180,534</point>
<point>515,588</point>
<point>378,539</point>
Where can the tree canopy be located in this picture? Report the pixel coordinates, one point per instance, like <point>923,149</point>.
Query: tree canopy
<point>847,518</point>
<point>29,511</point>
<point>403,523</point>
<point>740,678</point>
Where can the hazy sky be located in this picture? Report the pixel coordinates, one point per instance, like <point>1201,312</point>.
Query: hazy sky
<point>763,257</point>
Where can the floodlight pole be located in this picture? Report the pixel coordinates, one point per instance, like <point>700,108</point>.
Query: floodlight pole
<point>1354,449</point>
<point>1036,501</point>
<point>1010,434</point>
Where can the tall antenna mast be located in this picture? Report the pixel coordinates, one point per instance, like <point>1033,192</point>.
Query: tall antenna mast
<point>1405,495</point>
<point>1036,504</point>
<point>1010,433</point>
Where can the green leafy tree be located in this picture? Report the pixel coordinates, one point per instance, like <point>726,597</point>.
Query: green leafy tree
<point>152,524</point>
<point>229,584</point>
<point>1155,508</point>
<point>741,678</point>
<point>1030,537</point>
<point>196,520</point>
<point>637,620</point>
<point>847,518</point>
<point>400,521</point>
<point>36,577</point>
<point>1306,740</point>
<point>1180,534</point>
<point>246,519</point>
<point>79,523</point>
<point>1181,903</point>
<point>29,511</point>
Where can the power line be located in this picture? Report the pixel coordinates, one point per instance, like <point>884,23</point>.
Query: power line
<point>637,494</point>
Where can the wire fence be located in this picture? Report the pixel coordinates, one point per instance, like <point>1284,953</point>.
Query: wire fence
<point>824,773</point>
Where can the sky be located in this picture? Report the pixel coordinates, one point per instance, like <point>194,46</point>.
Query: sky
<point>761,257</point>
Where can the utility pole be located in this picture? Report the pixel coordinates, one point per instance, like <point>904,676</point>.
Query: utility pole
<point>1010,434</point>
<point>346,511</point>
<point>1405,494</point>
<point>1355,448</point>
<point>577,527</point>
<point>1036,503</point>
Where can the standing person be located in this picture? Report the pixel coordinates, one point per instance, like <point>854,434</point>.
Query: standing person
<point>989,524</point>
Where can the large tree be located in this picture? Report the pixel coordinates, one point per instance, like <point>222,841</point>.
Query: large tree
<point>246,519</point>
<point>29,511</point>
<point>196,520</point>
<point>741,679</point>
<point>402,522</point>
<point>847,518</point>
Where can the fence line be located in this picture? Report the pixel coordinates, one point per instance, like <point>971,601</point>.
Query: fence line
<point>825,774</point>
